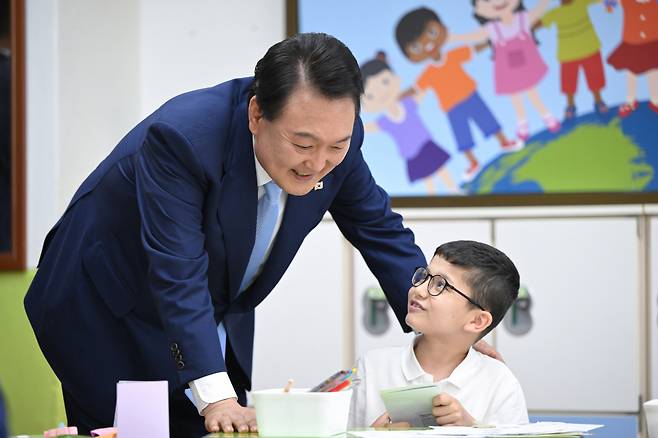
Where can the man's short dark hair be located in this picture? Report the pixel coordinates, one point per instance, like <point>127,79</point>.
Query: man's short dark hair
<point>314,59</point>
<point>412,25</point>
<point>491,275</point>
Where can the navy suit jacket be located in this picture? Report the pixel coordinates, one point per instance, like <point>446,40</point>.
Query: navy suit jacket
<point>150,253</point>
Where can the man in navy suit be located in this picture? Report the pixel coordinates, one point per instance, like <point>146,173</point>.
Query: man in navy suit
<point>142,276</point>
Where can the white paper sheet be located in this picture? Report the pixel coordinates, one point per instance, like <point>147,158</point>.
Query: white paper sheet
<point>540,428</point>
<point>518,431</point>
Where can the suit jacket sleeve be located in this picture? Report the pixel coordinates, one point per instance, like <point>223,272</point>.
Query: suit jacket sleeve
<point>170,187</point>
<point>362,211</point>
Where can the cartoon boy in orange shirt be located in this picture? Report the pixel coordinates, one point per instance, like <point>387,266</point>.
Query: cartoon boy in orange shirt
<point>421,35</point>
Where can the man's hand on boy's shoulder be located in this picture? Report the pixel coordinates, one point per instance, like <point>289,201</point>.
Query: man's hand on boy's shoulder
<point>483,347</point>
<point>449,412</point>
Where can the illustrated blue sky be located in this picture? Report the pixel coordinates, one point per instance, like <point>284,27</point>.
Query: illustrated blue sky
<point>367,26</point>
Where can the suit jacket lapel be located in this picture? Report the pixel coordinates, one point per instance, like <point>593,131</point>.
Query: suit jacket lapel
<point>237,208</point>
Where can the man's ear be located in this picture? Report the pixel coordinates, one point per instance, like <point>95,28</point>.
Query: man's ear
<point>255,115</point>
<point>479,322</point>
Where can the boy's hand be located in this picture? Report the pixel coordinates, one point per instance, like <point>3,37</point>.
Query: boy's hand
<point>228,416</point>
<point>483,347</point>
<point>449,412</point>
<point>384,420</point>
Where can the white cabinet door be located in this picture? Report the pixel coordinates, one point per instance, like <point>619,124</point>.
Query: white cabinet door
<point>299,326</point>
<point>429,234</point>
<point>582,352</point>
<point>653,305</point>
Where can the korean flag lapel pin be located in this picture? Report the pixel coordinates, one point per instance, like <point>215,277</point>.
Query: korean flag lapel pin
<point>318,186</point>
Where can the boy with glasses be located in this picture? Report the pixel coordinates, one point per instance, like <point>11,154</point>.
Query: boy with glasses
<point>455,301</point>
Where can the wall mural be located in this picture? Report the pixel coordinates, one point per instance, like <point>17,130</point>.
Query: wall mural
<point>504,97</point>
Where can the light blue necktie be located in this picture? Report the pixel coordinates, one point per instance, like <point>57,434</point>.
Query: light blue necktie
<point>268,213</point>
<point>266,218</point>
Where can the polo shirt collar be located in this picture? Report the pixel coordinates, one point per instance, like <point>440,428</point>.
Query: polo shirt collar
<point>459,377</point>
<point>410,366</point>
<point>466,369</point>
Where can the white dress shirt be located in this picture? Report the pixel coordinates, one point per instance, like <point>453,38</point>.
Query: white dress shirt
<point>215,387</point>
<point>484,386</point>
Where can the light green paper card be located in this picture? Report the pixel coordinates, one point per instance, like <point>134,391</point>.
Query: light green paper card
<point>412,404</point>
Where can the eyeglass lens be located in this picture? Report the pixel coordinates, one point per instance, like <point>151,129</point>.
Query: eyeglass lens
<point>436,283</point>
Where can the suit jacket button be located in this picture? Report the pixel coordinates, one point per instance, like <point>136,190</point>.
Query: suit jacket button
<point>174,347</point>
<point>179,357</point>
<point>180,364</point>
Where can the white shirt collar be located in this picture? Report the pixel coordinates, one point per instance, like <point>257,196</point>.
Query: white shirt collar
<point>262,177</point>
<point>410,366</point>
<point>412,370</point>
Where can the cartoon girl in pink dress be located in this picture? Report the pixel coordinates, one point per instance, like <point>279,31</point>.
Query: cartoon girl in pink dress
<point>518,65</point>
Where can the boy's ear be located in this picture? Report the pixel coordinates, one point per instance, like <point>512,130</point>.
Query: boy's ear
<point>479,322</point>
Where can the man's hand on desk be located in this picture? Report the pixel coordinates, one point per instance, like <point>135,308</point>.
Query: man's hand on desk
<point>483,347</point>
<point>228,416</point>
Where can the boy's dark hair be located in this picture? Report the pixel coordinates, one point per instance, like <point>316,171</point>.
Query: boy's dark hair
<point>491,275</point>
<point>315,59</point>
<point>374,66</point>
<point>412,25</point>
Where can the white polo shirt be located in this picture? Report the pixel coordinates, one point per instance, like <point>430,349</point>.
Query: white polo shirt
<point>485,387</point>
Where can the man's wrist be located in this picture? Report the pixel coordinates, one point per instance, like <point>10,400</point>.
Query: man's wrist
<point>210,405</point>
<point>211,389</point>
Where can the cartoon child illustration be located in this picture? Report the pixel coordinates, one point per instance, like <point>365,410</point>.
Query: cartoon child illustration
<point>518,65</point>
<point>421,36</point>
<point>578,47</point>
<point>638,51</point>
<point>400,119</point>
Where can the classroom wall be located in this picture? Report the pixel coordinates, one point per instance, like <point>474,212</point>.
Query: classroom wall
<point>95,68</point>
<point>189,45</point>
<point>41,124</point>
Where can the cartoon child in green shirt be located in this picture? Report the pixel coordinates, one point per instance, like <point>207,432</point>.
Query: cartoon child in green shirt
<point>578,48</point>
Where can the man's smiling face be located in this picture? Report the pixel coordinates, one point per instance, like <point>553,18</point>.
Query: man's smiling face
<point>308,139</point>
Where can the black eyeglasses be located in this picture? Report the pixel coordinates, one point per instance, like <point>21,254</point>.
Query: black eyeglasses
<point>437,284</point>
